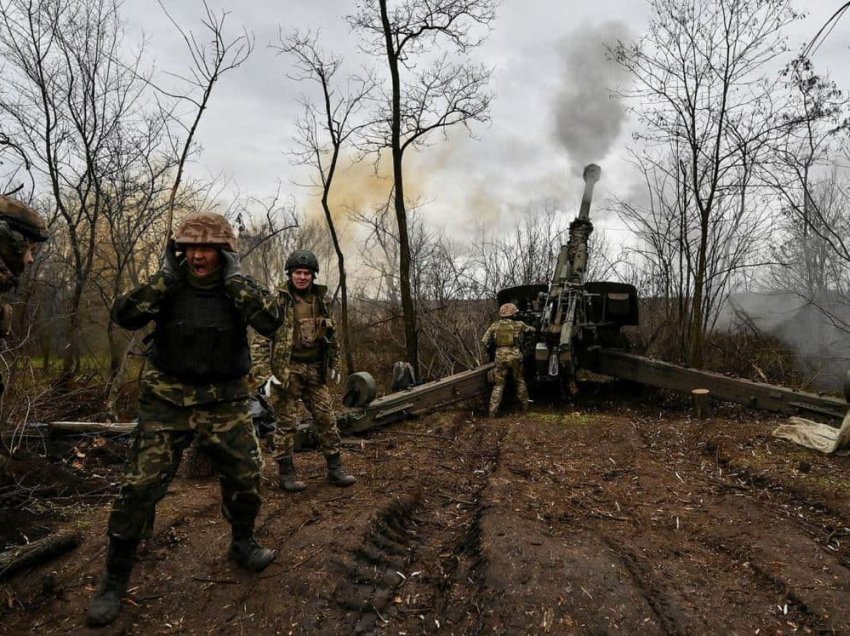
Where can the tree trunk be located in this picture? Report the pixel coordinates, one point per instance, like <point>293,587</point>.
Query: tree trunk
<point>407,305</point>
<point>697,330</point>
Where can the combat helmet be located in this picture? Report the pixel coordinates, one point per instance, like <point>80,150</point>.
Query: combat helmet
<point>23,219</point>
<point>508,310</point>
<point>206,228</point>
<point>302,259</point>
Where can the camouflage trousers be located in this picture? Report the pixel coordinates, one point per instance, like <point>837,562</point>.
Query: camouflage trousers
<point>225,434</point>
<point>305,383</point>
<point>507,365</point>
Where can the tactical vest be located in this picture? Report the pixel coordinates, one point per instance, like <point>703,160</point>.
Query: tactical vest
<point>506,335</point>
<point>200,336</point>
<point>307,339</point>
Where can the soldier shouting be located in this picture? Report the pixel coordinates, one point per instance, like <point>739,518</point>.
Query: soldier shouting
<point>301,357</point>
<point>506,335</point>
<point>197,386</point>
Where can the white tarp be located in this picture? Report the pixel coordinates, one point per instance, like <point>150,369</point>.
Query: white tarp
<point>821,437</point>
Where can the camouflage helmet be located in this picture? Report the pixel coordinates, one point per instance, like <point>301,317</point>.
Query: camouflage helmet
<point>302,259</point>
<point>23,219</point>
<point>206,228</point>
<point>508,310</point>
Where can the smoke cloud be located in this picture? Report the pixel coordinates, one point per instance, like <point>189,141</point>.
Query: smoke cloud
<point>587,118</point>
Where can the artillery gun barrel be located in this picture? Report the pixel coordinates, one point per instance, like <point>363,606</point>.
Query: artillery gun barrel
<point>591,175</point>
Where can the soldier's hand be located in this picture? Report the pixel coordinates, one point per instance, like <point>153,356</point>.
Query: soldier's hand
<point>170,263</point>
<point>335,376</point>
<point>232,266</point>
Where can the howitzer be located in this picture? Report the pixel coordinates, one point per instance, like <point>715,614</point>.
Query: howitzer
<point>578,325</point>
<point>572,315</point>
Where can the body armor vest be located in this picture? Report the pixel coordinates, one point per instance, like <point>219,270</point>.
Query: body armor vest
<point>306,345</point>
<point>200,337</point>
<point>506,335</point>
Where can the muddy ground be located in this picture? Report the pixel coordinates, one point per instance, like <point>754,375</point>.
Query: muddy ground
<point>615,514</point>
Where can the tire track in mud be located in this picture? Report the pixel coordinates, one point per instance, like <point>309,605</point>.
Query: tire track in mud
<point>756,524</point>
<point>415,566</point>
<point>639,568</point>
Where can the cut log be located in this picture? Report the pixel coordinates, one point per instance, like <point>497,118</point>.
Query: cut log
<point>77,428</point>
<point>37,552</point>
<point>702,402</point>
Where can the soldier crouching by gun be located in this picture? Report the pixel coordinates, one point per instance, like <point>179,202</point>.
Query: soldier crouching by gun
<point>197,386</point>
<point>300,359</point>
<point>506,336</point>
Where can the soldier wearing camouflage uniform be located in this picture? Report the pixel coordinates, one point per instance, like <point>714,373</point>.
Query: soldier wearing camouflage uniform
<point>300,358</point>
<point>196,387</point>
<point>22,230</point>
<point>506,335</point>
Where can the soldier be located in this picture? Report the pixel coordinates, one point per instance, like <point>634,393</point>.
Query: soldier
<point>22,230</point>
<point>506,335</point>
<point>197,386</point>
<point>301,357</point>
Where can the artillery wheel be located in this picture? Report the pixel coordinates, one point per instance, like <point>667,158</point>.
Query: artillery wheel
<point>360,389</point>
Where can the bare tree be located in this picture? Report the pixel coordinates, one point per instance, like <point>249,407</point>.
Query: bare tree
<point>210,60</point>
<point>702,92</point>
<point>323,132</point>
<point>800,170</point>
<point>69,96</point>
<point>666,254</point>
<point>427,93</point>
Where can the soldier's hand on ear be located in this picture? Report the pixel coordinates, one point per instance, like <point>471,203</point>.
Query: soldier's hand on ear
<point>232,266</point>
<point>171,264</point>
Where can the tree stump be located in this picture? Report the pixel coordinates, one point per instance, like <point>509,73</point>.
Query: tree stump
<point>702,402</point>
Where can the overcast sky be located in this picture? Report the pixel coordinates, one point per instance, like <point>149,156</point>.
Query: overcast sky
<point>551,113</point>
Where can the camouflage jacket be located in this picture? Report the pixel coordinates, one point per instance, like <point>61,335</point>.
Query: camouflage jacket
<point>138,307</point>
<point>506,335</point>
<point>11,249</point>
<point>271,356</point>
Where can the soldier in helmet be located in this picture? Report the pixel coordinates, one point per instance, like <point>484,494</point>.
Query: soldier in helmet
<point>22,230</point>
<point>301,357</point>
<point>506,336</point>
<point>196,387</point>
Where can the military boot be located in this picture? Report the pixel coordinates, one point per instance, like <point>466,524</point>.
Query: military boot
<point>288,479</point>
<point>106,604</point>
<point>337,475</point>
<point>247,553</point>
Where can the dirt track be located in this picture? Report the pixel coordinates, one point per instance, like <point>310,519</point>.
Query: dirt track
<point>557,522</point>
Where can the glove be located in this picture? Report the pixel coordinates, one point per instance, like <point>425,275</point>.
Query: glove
<point>335,376</point>
<point>266,388</point>
<point>282,382</point>
<point>232,266</point>
<point>171,264</point>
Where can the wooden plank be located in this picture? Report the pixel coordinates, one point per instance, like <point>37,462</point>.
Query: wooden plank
<point>757,395</point>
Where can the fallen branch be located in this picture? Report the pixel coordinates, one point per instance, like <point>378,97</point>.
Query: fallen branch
<point>76,428</point>
<point>37,552</point>
<point>431,435</point>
